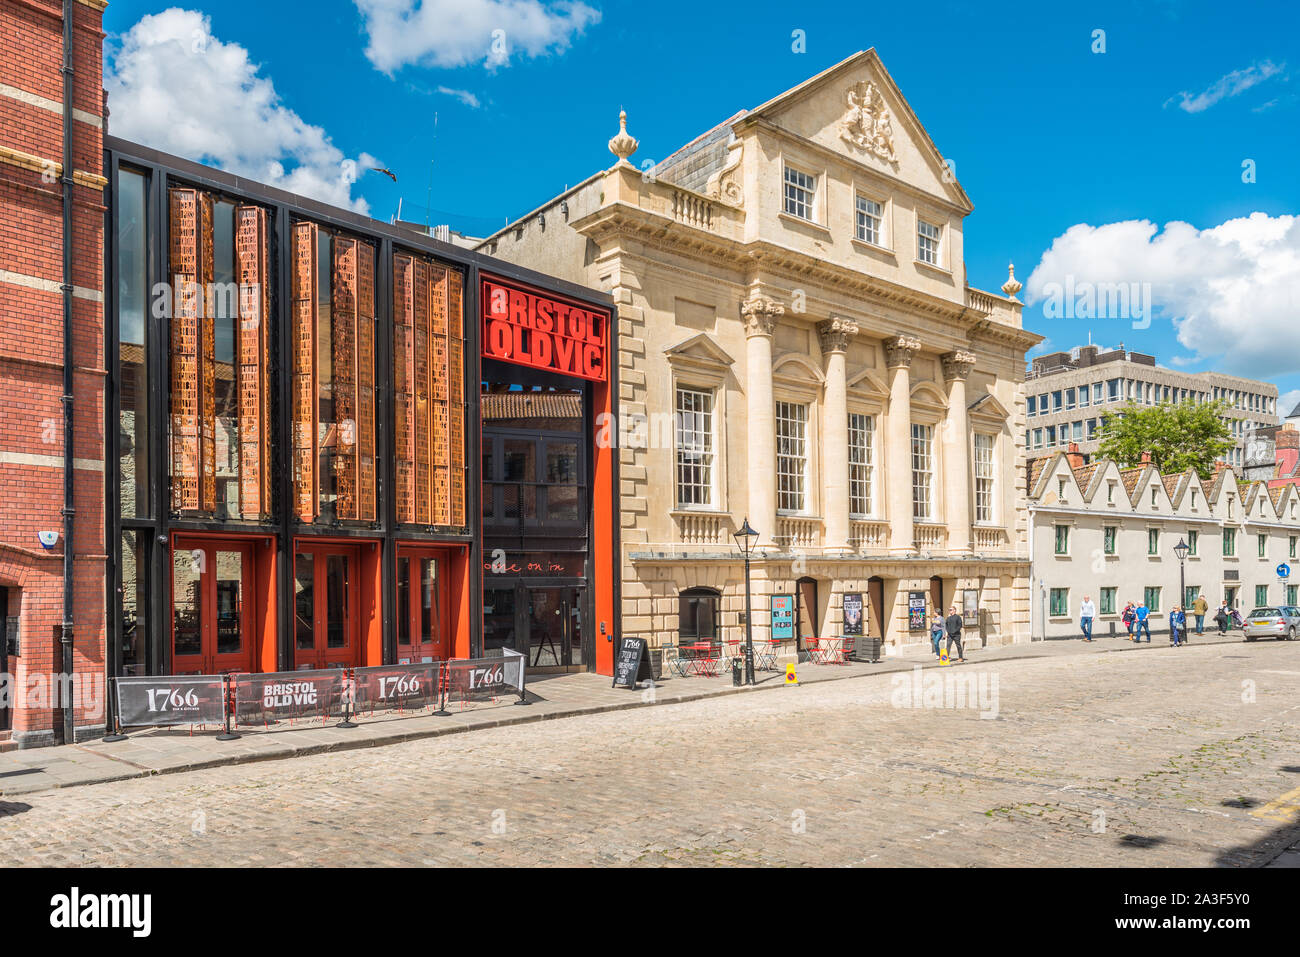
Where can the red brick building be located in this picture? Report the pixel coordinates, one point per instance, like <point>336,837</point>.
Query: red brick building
<point>46,176</point>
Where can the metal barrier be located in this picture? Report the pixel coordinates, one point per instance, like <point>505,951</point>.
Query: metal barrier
<point>266,699</point>
<point>470,679</point>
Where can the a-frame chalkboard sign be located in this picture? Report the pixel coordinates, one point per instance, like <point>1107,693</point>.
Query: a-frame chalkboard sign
<point>632,663</point>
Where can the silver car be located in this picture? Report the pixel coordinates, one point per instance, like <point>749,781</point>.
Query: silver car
<point>1272,621</point>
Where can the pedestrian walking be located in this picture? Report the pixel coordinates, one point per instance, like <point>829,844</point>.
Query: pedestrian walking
<point>1222,618</point>
<point>1128,616</point>
<point>1177,626</point>
<point>1199,608</point>
<point>1087,612</point>
<point>936,633</point>
<point>1142,613</point>
<point>953,626</point>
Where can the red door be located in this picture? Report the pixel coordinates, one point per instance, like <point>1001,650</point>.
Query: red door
<point>422,622</point>
<point>212,596</point>
<point>327,605</point>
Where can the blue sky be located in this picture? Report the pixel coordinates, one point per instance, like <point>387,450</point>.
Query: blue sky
<point>1048,136</point>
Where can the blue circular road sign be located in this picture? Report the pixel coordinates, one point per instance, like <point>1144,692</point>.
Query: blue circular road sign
<point>1284,570</point>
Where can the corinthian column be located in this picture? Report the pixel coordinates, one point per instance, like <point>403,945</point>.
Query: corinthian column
<point>899,352</point>
<point>835,334</point>
<point>956,452</point>
<point>760,314</point>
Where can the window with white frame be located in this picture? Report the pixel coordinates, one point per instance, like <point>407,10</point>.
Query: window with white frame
<point>922,472</point>
<point>869,216</point>
<point>800,191</point>
<point>983,477</point>
<point>791,456</point>
<point>927,242</point>
<point>695,446</point>
<point>861,434</point>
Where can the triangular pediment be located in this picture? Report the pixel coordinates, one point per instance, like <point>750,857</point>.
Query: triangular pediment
<point>699,349</point>
<point>856,110</point>
<point>987,408</point>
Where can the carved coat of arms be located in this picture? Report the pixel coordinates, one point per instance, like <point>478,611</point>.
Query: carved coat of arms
<point>866,123</point>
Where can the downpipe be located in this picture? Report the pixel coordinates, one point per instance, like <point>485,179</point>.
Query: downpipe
<point>69,510</point>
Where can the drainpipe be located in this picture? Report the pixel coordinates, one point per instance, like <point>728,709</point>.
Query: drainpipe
<point>69,717</point>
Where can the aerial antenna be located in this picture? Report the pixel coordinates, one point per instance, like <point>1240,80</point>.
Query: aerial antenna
<point>428,197</point>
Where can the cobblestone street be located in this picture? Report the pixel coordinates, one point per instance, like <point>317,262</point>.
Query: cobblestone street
<point>1165,757</point>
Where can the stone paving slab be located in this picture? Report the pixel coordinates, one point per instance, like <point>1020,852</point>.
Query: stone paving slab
<point>1164,758</point>
<point>164,751</point>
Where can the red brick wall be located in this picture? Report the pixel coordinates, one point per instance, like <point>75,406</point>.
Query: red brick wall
<point>31,353</point>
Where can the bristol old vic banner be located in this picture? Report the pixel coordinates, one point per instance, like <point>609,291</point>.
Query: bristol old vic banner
<point>544,331</point>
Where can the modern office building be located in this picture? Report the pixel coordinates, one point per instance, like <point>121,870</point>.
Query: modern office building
<point>1108,533</point>
<point>1067,394</point>
<point>799,347</point>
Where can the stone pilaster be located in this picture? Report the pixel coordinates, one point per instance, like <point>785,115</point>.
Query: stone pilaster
<point>899,352</point>
<point>760,315</point>
<point>956,453</point>
<point>835,334</point>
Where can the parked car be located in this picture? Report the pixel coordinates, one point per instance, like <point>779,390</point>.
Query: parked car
<point>1282,622</point>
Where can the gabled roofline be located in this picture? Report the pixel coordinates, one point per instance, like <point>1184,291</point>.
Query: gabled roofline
<point>924,140</point>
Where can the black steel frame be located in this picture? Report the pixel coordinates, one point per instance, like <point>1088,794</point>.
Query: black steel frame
<point>162,171</point>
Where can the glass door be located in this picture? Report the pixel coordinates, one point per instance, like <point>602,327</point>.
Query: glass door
<point>326,606</point>
<point>212,588</point>
<point>554,627</point>
<point>422,629</point>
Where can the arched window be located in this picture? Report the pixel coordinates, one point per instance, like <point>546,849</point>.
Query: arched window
<point>697,610</point>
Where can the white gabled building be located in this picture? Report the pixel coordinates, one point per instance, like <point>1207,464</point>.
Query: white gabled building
<point>1109,533</point>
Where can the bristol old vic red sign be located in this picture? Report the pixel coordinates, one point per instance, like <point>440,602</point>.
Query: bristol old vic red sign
<point>535,329</point>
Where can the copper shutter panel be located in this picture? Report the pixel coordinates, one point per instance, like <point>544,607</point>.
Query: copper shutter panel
<point>440,490</point>
<point>343,327</point>
<point>403,391</point>
<point>193,405</point>
<point>423,466</point>
<point>304,371</point>
<point>365,340</point>
<point>253,270</point>
<point>456,396</point>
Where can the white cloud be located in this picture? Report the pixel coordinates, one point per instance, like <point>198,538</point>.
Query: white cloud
<point>1230,290</point>
<point>452,33</point>
<point>1288,401</point>
<point>173,86</point>
<point>465,96</point>
<point>1225,87</point>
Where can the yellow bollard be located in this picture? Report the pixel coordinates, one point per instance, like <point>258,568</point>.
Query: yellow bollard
<point>790,677</point>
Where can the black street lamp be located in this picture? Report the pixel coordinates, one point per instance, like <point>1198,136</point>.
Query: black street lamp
<point>746,538</point>
<point>1182,549</point>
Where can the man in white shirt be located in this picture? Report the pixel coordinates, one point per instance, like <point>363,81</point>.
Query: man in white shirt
<point>1087,612</point>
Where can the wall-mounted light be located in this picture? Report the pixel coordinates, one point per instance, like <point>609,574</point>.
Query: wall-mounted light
<point>564,208</point>
<point>541,220</point>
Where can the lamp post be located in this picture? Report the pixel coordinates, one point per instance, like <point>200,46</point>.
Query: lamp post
<point>1181,550</point>
<point>745,538</point>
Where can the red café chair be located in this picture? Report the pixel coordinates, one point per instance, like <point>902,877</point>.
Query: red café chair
<point>816,653</point>
<point>846,649</point>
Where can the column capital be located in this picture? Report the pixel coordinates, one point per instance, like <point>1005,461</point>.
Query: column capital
<point>760,314</point>
<point>900,350</point>
<point>835,333</point>
<point>957,364</point>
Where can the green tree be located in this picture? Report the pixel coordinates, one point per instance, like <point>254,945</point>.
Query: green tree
<point>1178,436</point>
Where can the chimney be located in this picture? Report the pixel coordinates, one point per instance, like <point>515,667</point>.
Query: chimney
<point>1146,458</point>
<point>1074,456</point>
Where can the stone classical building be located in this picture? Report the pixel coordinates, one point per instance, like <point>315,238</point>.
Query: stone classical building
<point>1068,394</point>
<point>799,346</point>
<point>1109,533</point>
